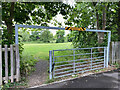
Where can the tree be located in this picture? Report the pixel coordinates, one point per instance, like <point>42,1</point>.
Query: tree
<point>82,16</point>
<point>101,23</point>
<point>29,13</point>
<point>46,36</point>
<point>35,35</point>
<point>60,36</point>
<point>93,15</point>
<point>118,21</point>
<point>25,35</point>
<point>69,38</point>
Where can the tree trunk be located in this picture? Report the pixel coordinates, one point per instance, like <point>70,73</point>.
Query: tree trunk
<point>0,13</point>
<point>101,34</point>
<point>118,23</point>
<point>97,16</point>
<point>9,24</point>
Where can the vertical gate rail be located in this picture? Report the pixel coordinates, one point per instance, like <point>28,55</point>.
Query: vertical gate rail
<point>91,58</point>
<point>50,63</point>
<point>10,74</point>
<point>74,61</point>
<point>75,66</point>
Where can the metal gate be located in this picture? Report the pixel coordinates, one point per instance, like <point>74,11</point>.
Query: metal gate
<point>56,65</point>
<point>66,62</point>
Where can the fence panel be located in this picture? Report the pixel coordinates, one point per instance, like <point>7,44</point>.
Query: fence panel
<point>0,65</point>
<point>115,52</point>
<point>67,62</point>
<point>12,62</point>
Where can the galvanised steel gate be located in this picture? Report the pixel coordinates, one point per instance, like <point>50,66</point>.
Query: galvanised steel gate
<point>68,62</point>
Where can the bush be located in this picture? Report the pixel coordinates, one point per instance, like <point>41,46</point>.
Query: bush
<point>26,64</point>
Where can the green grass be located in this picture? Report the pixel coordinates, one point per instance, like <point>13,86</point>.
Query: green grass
<point>41,50</point>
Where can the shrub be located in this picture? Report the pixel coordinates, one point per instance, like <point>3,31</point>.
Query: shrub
<point>26,64</point>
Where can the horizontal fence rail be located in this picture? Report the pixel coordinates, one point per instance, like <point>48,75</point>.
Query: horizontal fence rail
<point>67,62</point>
<point>9,57</point>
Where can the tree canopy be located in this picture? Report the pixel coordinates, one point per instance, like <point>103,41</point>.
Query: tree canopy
<point>39,13</point>
<point>60,36</point>
<point>94,15</point>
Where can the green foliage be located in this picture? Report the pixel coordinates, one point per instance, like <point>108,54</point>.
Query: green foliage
<point>39,12</point>
<point>25,35</point>
<point>60,36</point>
<point>5,36</point>
<point>11,85</point>
<point>117,65</point>
<point>84,15</point>
<point>46,36</point>
<point>69,37</point>
<point>26,64</point>
<point>35,35</point>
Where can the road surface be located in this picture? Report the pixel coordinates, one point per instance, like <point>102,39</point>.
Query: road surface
<point>110,79</point>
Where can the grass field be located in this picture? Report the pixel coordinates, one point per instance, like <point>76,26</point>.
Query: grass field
<point>41,51</point>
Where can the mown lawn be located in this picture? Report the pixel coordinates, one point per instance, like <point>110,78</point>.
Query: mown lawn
<point>41,51</point>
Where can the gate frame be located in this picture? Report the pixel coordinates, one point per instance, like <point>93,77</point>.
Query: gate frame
<point>58,28</point>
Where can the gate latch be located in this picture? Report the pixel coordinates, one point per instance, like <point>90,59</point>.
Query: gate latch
<point>52,68</point>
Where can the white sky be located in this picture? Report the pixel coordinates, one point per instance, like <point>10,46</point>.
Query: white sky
<point>60,19</point>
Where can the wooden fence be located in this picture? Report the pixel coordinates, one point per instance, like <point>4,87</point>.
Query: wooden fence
<point>115,52</point>
<point>11,64</point>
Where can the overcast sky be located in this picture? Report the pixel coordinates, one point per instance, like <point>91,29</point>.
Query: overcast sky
<point>60,19</point>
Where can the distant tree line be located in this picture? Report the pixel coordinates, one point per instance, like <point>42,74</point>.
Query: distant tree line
<point>45,36</point>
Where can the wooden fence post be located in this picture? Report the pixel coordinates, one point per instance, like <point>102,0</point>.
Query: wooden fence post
<point>110,59</point>
<point>118,52</point>
<point>6,64</point>
<point>11,55</point>
<point>0,65</point>
<point>113,53</point>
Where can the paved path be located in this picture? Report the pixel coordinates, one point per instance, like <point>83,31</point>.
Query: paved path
<point>40,75</point>
<point>109,79</point>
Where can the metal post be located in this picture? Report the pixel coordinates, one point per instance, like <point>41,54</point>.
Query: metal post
<point>16,34</point>
<point>91,58</point>
<point>50,64</point>
<point>74,61</point>
<point>108,47</point>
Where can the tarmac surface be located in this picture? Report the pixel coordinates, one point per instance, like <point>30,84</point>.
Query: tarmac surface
<point>110,80</point>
